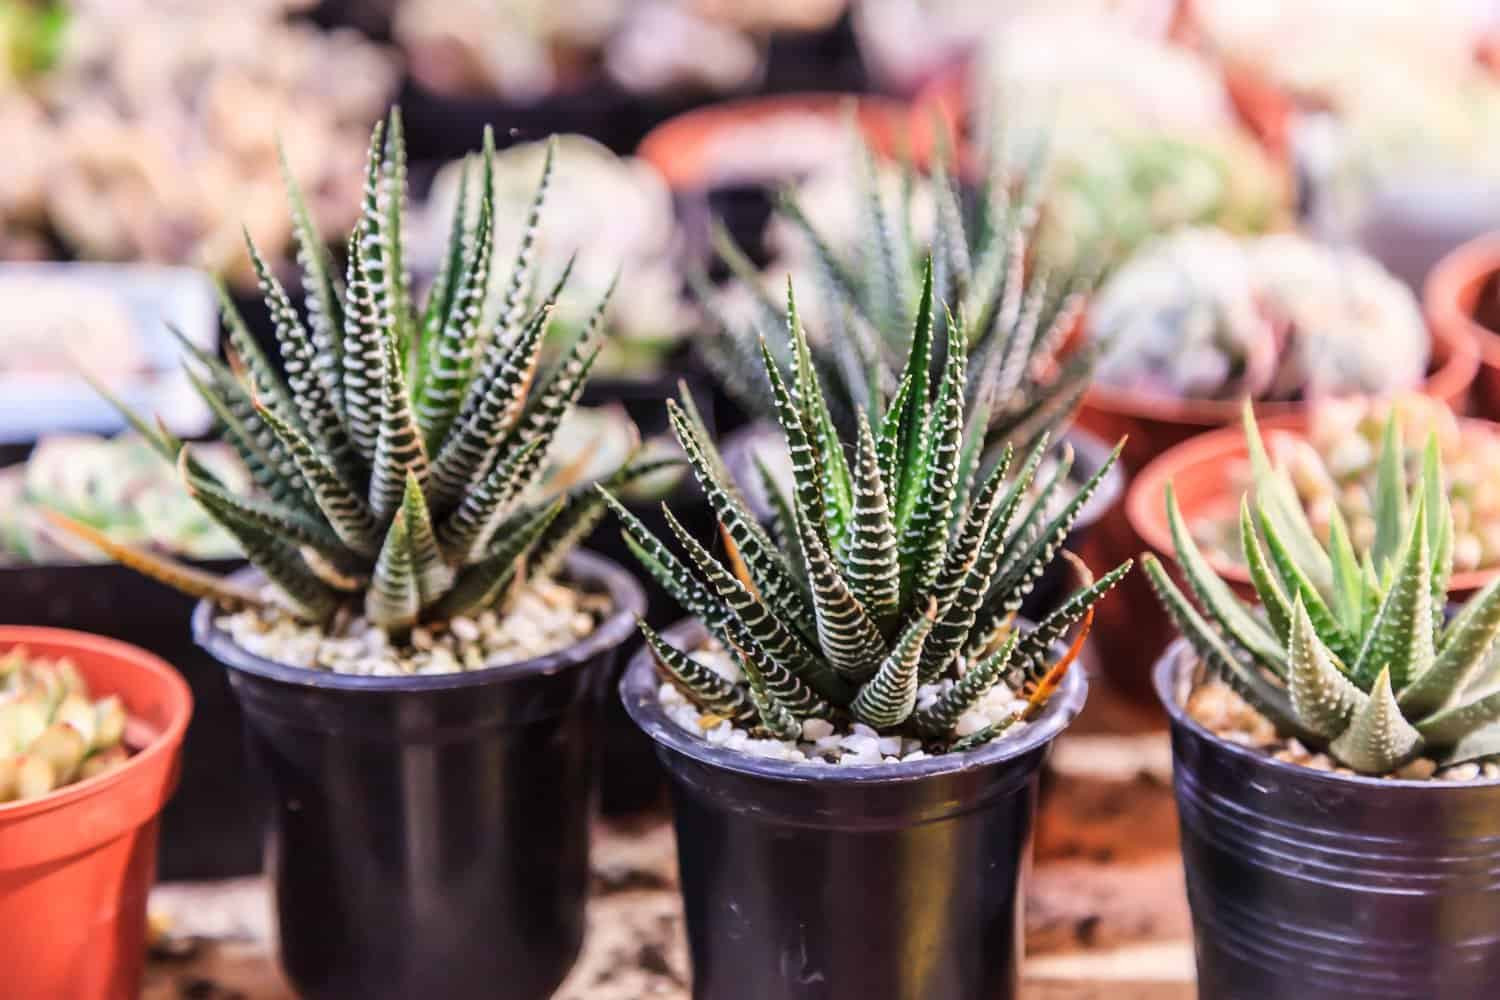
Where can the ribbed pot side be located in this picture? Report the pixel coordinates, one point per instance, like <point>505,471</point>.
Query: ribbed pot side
<point>429,835</point>
<point>1306,883</point>
<point>883,882</point>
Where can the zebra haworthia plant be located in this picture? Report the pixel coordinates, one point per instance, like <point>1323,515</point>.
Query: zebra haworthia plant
<point>1018,314</point>
<point>394,459</point>
<point>1350,653</point>
<point>897,564</point>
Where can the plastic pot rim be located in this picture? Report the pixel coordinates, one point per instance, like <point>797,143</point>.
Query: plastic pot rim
<point>638,692</point>
<point>164,741</point>
<point>623,589</point>
<point>1178,658</point>
<point>1145,501</point>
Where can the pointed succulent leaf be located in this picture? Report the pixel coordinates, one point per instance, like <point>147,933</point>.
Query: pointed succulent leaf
<point>850,641</point>
<point>1273,599</point>
<point>939,719</point>
<point>399,451</point>
<point>889,697</point>
<point>1323,698</point>
<point>1390,496</point>
<point>1223,607</point>
<point>870,558</point>
<point>433,574</point>
<point>481,584</point>
<point>1379,739</point>
<point>1465,648</point>
<point>1269,699</point>
<point>1298,584</point>
<point>502,391</point>
<point>699,684</point>
<point>1399,642</point>
<point>324,307</point>
<point>393,600</point>
<point>346,511</point>
<point>926,533</point>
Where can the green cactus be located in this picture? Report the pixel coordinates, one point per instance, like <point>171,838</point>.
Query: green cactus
<point>1016,314</point>
<point>51,732</point>
<point>393,459</point>
<point>1348,654</point>
<point>898,565</point>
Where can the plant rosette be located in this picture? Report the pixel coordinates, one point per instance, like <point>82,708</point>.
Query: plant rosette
<point>90,740</point>
<point>1331,454</point>
<point>756,833</point>
<point>421,650</point>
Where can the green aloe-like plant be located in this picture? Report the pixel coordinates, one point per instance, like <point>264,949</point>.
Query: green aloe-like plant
<point>898,563</point>
<point>394,458</point>
<point>1348,653</point>
<point>1015,312</point>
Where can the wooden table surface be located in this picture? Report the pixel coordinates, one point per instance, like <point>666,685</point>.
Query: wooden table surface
<point>1105,914</point>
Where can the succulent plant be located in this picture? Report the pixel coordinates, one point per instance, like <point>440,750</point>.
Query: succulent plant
<point>1016,313</point>
<point>1336,464</point>
<point>1347,654</point>
<point>119,485</point>
<point>392,459</point>
<point>52,732</point>
<point>900,565</point>
<point>1203,314</point>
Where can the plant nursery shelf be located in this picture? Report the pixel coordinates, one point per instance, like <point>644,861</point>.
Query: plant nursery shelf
<point>1105,910</point>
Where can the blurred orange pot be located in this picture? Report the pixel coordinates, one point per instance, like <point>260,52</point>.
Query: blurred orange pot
<point>76,865</point>
<point>1450,298</point>
<point>1156,423</point>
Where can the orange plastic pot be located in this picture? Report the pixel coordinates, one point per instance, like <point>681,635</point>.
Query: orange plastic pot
<point>685,149</point>
<point>1197,471</point>
<point>76,865</point>
<point>1450,298</point>
<point>1155,423</point>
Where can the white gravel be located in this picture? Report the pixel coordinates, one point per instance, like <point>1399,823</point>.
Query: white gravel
<point>542,618</point>
<point>825,741</point>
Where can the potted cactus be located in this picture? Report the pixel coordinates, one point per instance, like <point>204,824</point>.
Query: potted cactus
<point>1331,750</point>
<point>121,487</point>
<point>90,740</point>
<point>854,723</point>
<point>420,653</point>
<point>861,235</point>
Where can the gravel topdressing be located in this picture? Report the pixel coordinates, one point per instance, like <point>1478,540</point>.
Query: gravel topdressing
<point>825,741</point>
<point>544,617</point>
<point>1216,707</point>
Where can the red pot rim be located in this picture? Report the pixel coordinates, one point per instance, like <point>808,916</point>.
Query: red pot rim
<point>155,676</point>
<point>1145,503</point>
<point>678,147</point>
<point>1452,289</point>
<point>1455,354</point>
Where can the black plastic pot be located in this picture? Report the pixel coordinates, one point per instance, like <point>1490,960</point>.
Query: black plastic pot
<point>211,827</point>
<point>820,882</point>
<point>1090,453</point>
<point>430,834</point>
<point>1306,883</point>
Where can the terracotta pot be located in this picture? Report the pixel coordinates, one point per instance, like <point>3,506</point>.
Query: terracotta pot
<point>1449,298</point>
<point>689,152</point>
<point>1155,423</point>
<point>76,865</point>
<point>1197,471</point>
